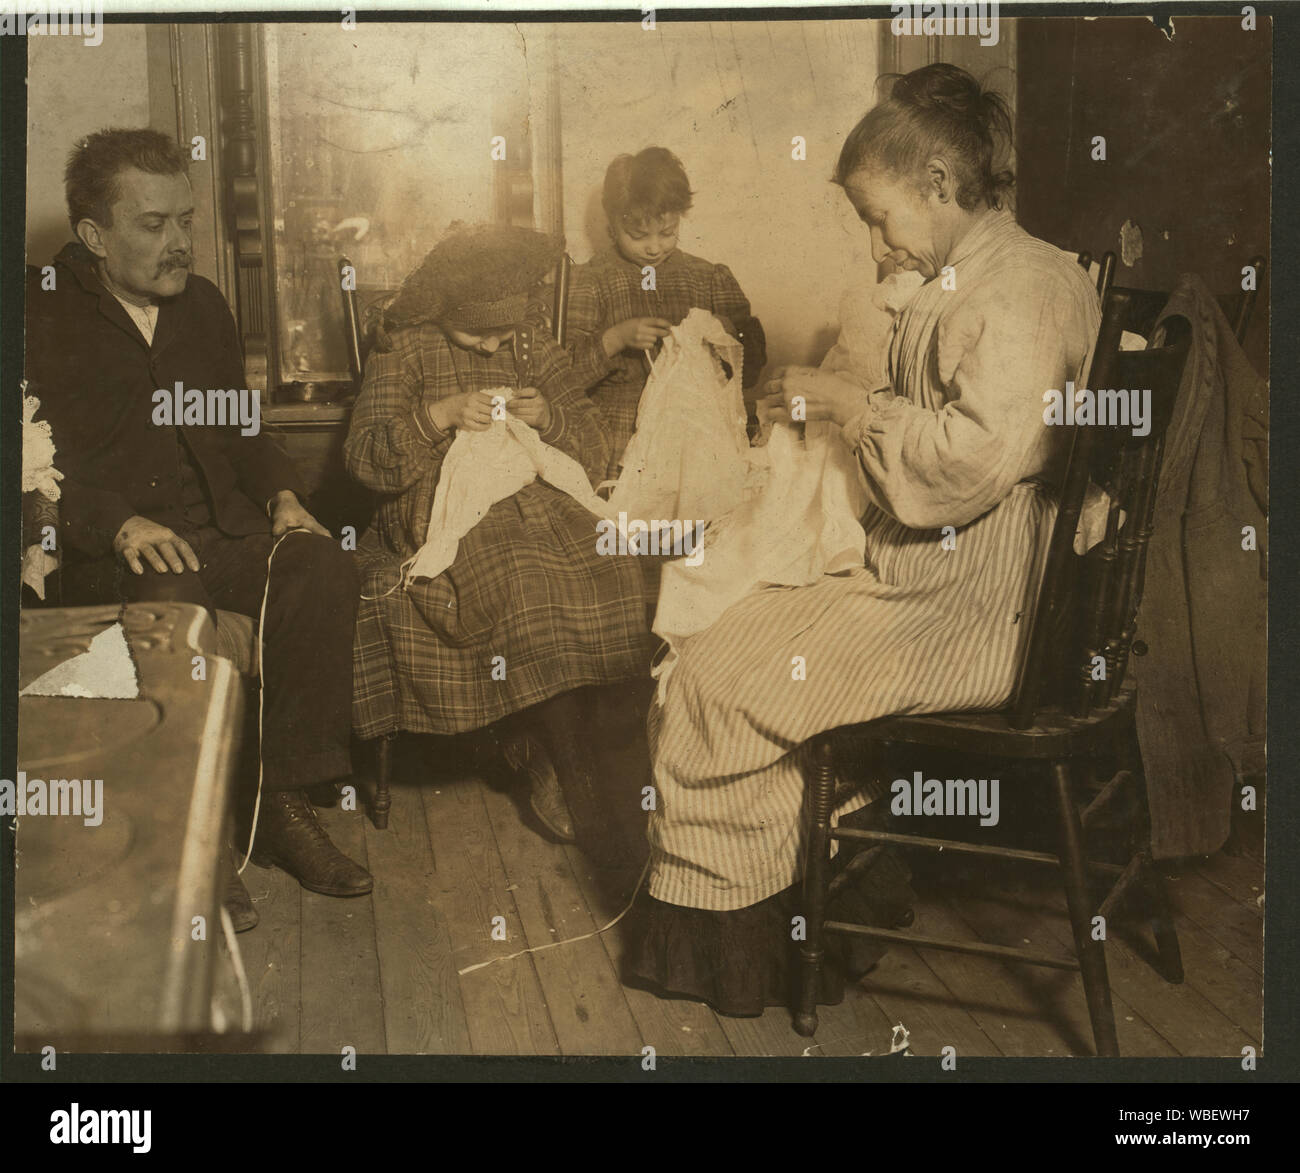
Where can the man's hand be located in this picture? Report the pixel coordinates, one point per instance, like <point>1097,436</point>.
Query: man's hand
<point>797,394</point>
<point>287,513</point>
<point>531,406</point>
<point>162,548</point>
<point>470,411</point>
<point>635,334</point>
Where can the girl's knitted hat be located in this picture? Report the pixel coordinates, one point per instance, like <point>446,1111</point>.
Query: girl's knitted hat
<point>477,277</point>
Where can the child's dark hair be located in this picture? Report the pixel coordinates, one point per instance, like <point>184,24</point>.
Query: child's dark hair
<point>938,109</point>
<point>642,187</point>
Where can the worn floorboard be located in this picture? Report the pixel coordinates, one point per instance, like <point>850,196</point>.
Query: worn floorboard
<point>381,973</point>
<point>504,1004</point>
<point>586,1000</point>
<point>1021,914</point>
<point>904,986</point>
<point>270,954</point>
<point>342,1002</point>
<point>423,1011</point>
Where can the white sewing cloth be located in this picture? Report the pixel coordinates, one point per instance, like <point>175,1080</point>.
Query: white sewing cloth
<point>689,458</point>
<point>482,468</point>
<point>805,520</point>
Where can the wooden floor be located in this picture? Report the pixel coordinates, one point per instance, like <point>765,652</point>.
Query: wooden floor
<point>381,973</point>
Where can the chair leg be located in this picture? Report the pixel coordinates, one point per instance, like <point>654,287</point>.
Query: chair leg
<point>382,800</point>
<point>1162,924</point>
<point>811,952</point>
<point>1091,954</point>
<point>1160,910</point>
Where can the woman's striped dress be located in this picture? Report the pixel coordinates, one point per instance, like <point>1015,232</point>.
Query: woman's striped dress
<point>926,625</point>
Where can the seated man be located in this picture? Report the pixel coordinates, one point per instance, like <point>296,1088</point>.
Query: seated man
<point>160,506</point>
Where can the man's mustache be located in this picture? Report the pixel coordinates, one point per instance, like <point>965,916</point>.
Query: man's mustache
<point>179,261</point>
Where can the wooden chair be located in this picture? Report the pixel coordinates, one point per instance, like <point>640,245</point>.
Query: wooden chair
<point>381,801</point>
<point>1071,708</point>
<point>1238,308</point>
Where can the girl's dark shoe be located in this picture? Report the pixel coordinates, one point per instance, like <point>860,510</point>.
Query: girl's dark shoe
<point>527,759</point>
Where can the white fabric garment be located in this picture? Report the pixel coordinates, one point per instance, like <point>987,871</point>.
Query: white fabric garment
<point>803,525</point>
<point>145,317</point>
<point>689,458</point>
<point>482,468</point>
<point>805,521</point>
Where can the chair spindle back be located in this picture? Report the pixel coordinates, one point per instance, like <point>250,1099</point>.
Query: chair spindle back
<point>1084,624</point>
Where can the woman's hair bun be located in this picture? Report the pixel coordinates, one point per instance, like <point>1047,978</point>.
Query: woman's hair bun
<point>939,87</point>
<point>937,109</point>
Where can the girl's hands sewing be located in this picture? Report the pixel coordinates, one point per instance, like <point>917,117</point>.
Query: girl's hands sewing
<point>635,334</point>
<point>470,410</point>
<point>797,394</point>
<point>530,405</point>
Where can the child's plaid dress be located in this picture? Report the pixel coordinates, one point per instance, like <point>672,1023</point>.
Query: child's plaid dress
<point>527,584</point>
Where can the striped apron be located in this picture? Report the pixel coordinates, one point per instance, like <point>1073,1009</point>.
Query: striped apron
<point>919,628</point>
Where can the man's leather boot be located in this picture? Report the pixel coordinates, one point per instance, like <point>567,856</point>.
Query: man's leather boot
<point>290,836</point>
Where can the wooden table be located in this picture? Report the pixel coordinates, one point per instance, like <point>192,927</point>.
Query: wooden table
<point>105,950</point>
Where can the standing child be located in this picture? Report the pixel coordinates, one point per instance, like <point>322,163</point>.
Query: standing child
<point>528,612</point>
<point>619,309</point>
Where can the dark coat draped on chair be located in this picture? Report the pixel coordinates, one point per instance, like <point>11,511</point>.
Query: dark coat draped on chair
<point>1202,619</point>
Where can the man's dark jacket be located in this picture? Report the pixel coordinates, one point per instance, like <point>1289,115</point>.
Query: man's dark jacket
<point>95,377</point>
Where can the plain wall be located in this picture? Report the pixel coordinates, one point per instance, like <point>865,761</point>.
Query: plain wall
<point>727,99</point>
<point>1186,123</point>
<point>74,89</point>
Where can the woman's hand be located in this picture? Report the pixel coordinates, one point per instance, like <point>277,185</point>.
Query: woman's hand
<point>531,406</point>
<point>635,334</point>
<point>797,394</point>
<point>470,410</point>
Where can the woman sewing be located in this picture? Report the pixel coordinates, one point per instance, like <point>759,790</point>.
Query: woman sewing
<point>955,448</point>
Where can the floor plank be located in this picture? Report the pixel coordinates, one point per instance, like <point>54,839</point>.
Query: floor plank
<point>270,952</point>
<point>673,1026</point>
<point>991,992</point>
<point>1236,927</point>
<point>423,1011</point>
<point>342,1005</point>
<point>905,987</point>
<point>583,993</point>
<point>382,973</point>
<point>1182,1015</point>
<point>1011,913</point>
<point>1240,876</point>
<point>855,1027</point>
<point>504,1004</point>
<point>1223,979</point>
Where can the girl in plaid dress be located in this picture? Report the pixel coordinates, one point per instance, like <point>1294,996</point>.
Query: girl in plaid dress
<point>529,611</point>
<point>614,320</point>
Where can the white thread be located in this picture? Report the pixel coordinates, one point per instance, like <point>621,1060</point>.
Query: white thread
<point>401,578</point>
<point>245,994</point>
<point>567,940</point>
<point>261,693</point>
